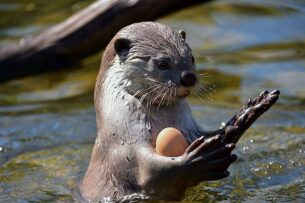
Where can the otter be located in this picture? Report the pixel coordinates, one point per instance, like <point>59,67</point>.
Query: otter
<point>146,73</point>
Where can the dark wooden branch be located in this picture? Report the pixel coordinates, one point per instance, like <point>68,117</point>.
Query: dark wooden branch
<point>83,34</point>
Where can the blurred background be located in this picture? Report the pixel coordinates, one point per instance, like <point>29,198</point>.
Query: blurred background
<point>47,121</point>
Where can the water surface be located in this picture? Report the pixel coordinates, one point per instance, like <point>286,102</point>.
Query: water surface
<point>47,122</point>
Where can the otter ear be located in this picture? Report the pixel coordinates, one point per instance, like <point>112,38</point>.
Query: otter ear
<point>182,34</point>
<point>122,47</point>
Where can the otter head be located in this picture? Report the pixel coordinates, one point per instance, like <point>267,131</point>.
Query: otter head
<point>156,62</point>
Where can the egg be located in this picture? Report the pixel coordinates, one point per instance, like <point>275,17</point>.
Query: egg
<point>171,142</point>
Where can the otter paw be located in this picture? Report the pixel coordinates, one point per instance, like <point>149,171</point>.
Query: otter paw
<point>208,159</point>
<point>248,114</point>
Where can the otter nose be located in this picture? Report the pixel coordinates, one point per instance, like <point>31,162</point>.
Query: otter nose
<point>188,79</point>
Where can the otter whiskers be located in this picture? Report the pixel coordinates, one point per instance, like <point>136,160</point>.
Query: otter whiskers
<point>170,94</point>
<point>206,89</point>
<point>157,95</point>
<point>206,75</point>
<point>162,94</point>
<point>201,90</point>
<point>156,92</point>
<point>162,98</point>
<point>151,89</point>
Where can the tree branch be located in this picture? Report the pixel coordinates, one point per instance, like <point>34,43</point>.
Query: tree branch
<point>83,34</point>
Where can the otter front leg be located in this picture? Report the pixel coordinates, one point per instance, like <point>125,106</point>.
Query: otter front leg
<point>168,177</point>
<point>246,116</point>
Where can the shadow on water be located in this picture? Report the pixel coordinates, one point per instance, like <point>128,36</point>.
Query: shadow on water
<point>47,122</point>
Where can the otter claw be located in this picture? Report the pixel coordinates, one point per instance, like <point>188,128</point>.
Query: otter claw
<point>277,92</point>
<point>250,102</point>
<point>263,93</point>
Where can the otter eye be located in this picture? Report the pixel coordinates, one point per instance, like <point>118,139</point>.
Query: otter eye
<point>162,64</point>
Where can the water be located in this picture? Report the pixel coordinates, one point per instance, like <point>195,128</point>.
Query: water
<point>47,122</point>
